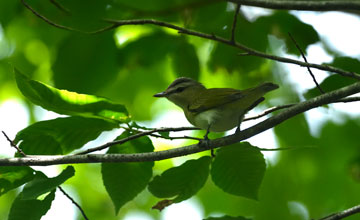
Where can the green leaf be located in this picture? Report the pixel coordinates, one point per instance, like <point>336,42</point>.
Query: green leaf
<point>185,60</point>
<point>337,81</point>
<point>42,184</point>
<point>288,132</point>
<point>81,65</point>
<point>73,14</point>
<point>225,56</point>
<point>13,177</point>
<point>331,83</point>
<point>61,135</point>
<point>183,181</point>
<point>239,169</point>
<point>123,181</point>
<point>226,217</point>
<point>69,103</point>
<point>280,24</point>
<point>347,63</point>
<point>31,209</point>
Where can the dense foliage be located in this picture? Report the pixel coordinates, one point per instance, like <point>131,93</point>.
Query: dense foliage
<point>99,76</point>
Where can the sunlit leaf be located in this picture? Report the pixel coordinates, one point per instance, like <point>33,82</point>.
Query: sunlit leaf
<point>42,184</point>
<point>31,209</point>
<point>61,135</point>
<point>69,103</point>
<point>13,177</point>
<point>239,169</point>
<point>181,182</point>
<point>123,181</point>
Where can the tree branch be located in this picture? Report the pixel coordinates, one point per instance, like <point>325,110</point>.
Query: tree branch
<point>343,214</point>
<point>191,149</point>
<point>308,5</point>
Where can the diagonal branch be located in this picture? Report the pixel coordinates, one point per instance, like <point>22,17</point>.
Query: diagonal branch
<point>308,68</point>
<point>305,5</point>
<point>191,149</point>
<point>343,214</point>
<point>237,9</point>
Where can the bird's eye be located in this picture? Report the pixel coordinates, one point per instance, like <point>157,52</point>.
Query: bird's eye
<point>180,89</point>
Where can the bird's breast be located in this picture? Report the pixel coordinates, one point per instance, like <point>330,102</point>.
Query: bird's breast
<point>219,119</point>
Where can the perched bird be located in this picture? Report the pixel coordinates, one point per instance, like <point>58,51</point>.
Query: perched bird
<point>215,109</point>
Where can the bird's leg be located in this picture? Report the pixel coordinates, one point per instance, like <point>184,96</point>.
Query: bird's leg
<point>239,122</point>
<point>205,141</point>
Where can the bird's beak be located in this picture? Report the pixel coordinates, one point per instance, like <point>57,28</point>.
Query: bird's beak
<point>160,94</point>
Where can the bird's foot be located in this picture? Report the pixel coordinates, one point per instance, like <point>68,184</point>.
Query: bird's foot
<point>237,130</point>
<point>206,144</point>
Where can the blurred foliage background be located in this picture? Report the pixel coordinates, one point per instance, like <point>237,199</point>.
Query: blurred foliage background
<point>129,64</point>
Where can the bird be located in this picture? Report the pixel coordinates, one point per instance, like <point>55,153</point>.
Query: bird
<point>214,109</point>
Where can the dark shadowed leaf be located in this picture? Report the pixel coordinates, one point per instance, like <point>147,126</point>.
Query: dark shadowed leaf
<point>42,184</point>
<point>288,133</point>
<point>331,83</point>
<point>123,181</point>
<point>61,135</point>
<point>183,181</point>
<point>86,63</point>
<point>337,81</point>
<point>185,60</point>
<point>32,209</point>
<point>280,24</point>
<point>239,169</point>
<point>13,177</point>
<point>69,103</point>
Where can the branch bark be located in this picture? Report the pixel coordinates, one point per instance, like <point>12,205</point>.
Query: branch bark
<point>310,5</point>
<point>327,98</point>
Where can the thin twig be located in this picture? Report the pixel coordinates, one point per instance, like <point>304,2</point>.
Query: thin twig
<point>282,148</point>
<point>14,145</point>
<point>174,138</point>
<point>308,68</point>
<point>237,9</point>
<point>46,19</point>
<point>268,111</point>
<point>343,214</point>
<point>60,7</point>
<point>132,137</point>
<point>74,202</point>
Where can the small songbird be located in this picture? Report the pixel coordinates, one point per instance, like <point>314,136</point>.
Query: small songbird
<point>215,109</point>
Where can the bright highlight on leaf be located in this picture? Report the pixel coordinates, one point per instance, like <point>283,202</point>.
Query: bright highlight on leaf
<point>123,181</point>
<point>69,103</point>
<point>183,181</point>
<point>239,169</point>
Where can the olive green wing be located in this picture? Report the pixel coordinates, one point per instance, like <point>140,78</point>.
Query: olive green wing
<point>213,98</point>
